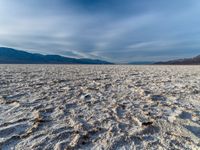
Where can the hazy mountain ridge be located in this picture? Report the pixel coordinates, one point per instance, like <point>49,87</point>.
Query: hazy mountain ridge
<point>141,63</point>
<point>185,61</point>
<point>13,56</point>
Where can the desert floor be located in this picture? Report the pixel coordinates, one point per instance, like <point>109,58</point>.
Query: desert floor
<point>99,107</point>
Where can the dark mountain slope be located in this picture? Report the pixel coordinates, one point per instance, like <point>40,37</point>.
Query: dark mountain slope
<point>186,61</point>
<point>12,56</point>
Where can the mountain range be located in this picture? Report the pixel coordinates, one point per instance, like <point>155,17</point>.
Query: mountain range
<point>13,56</point>
<point>185,61</point>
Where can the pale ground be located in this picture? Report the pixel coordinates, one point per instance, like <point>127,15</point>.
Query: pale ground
<point>99,107</point>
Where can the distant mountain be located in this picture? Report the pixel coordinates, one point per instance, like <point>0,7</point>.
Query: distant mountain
<point>12,56</point>
<point>186,61</point>
<point>141,63</point>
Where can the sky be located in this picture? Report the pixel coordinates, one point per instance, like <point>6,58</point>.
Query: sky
<point>113,30</point>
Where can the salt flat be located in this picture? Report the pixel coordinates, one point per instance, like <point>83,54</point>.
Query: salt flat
<point>99,107</point>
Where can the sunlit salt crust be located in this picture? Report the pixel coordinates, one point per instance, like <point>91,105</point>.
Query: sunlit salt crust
<point>99,107</point>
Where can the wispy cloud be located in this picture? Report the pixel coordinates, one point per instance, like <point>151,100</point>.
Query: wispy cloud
<point>118,31</point>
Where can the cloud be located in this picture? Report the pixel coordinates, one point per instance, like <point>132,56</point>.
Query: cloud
<point>105,29</point>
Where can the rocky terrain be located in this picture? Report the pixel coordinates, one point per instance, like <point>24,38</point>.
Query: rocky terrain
<point>99,107</point>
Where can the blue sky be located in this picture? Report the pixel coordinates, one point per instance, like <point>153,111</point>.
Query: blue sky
<point>113,30</point>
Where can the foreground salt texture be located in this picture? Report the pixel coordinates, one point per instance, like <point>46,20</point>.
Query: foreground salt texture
<point>99,107</point>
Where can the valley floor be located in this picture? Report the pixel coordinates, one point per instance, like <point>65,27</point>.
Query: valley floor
<point>99,107</point>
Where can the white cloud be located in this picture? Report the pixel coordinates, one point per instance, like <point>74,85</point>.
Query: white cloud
<point>48,27</point>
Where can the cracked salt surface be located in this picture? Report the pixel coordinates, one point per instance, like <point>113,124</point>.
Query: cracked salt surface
<point>99,107</point>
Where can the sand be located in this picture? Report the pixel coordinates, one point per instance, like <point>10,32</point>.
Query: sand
<point>99,107</point>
